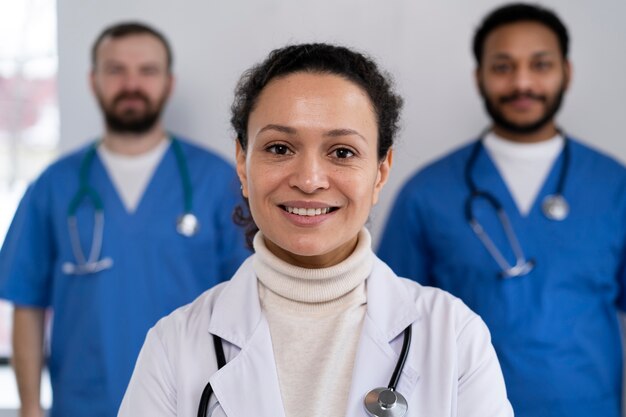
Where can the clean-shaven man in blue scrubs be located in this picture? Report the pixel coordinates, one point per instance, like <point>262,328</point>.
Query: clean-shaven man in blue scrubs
<point>526,225</point>
<point>115,235</point>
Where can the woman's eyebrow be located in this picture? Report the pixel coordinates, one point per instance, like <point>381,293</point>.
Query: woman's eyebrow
<point>343,132</point>
<point>279,128</point>
<point>330,133</point>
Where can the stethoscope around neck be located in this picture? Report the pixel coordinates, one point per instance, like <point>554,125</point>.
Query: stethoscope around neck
<point>186,224</point>
<point>553,206</point>
<point>379,402</point>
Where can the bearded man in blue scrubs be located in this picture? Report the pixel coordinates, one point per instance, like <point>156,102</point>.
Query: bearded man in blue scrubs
<point>526,225</point>
<point>122,260</point>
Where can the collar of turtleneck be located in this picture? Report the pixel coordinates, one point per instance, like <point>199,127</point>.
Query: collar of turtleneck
<point>307,285</point>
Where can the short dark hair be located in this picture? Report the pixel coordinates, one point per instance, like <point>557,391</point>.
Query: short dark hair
<point>519,12</point>
<point>123,29</point>
<point>323,59</point>
<point>316,58</point>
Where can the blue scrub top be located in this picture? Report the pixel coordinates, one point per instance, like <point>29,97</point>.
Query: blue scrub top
<point>555,330</point>
<point>100,320</point>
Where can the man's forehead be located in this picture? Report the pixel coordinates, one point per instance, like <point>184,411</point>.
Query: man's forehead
<point>136,47</point>
<point>521,39</point>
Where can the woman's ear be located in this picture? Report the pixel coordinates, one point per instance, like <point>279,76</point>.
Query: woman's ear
<point>240,156</point>
<point>383,175</point>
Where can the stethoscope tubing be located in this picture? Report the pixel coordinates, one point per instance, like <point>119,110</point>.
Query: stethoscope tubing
<point>522,265</point>
<point>92,264</point>
<point>404,354</point>
<point>185,178</point>
<point>471,163</point>
<point>208,389</point>
<point>221,362</point>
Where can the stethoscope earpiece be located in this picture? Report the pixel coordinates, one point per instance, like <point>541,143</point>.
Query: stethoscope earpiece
<point>385,402</point>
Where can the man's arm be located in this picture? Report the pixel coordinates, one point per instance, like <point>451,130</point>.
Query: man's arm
<point>28,357</point>
<point>622,319</point>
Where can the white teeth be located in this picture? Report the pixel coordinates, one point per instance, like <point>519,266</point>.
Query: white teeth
<point>308,211</point>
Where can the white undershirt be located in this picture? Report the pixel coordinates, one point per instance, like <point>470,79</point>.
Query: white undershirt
<point>524,167</point>
<point>131,174</point>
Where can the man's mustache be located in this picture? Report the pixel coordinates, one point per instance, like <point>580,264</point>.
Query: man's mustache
<point>521,95</point>
<point>131,95</point>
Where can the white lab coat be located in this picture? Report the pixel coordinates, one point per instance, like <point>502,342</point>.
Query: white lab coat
<point>451,369</point>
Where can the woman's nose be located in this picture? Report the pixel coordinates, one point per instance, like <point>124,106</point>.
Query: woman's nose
<point>310,174</point>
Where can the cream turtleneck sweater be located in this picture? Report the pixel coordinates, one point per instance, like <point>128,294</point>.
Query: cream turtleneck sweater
<point>315,318</point>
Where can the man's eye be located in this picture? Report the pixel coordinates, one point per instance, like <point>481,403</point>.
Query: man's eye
<point>542,65</point>
<point>150,71</point>
<point>501,68</point>
<point>278,149</point>
<point>113,70</point>
<point>343,153</point>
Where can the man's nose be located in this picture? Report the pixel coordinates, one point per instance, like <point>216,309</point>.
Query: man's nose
<point>523,79</point>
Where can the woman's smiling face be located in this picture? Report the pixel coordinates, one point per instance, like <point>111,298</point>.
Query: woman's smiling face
<point>311,170</point>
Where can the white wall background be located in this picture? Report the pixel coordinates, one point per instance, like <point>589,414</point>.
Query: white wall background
<point>424,45</point>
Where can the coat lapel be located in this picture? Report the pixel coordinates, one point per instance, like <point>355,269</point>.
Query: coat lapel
<point>389,311</point>
<point>248,384</point>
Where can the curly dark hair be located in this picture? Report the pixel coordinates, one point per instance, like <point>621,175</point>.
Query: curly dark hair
<point>319,58</point>
<point>519,12</point>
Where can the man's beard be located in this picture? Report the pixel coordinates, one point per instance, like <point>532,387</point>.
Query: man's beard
<point>500,120</point>
<point>132,121</point>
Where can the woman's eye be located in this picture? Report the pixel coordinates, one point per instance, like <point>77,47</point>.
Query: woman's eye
<point>343,153</point>
<point>278,149</point>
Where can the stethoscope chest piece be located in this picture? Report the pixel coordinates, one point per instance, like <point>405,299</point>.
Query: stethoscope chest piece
<point>384,402</point>
<point>555,207</point>
<point>187,225</point>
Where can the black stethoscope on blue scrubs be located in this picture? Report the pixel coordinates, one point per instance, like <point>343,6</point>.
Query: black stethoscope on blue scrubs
<point>379,402</point>
<point>187,224</point>
<point>553,206</point>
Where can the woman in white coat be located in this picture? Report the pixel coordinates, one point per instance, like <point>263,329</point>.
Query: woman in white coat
<point>313,321</point>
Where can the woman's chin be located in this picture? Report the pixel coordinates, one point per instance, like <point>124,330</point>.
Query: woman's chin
<point>311,253</point>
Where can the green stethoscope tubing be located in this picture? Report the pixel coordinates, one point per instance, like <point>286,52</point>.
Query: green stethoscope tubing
<point>187,223</point>
<point>85,190</point>
<point>183,169</point>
